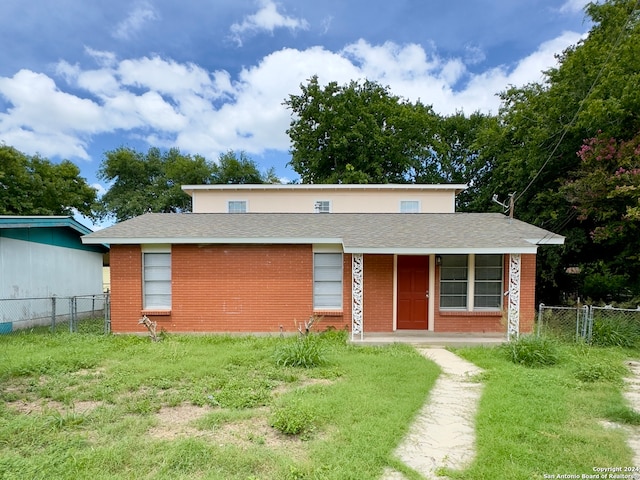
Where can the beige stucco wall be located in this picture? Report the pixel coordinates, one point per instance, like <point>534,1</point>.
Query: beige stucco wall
<point>342,201</point>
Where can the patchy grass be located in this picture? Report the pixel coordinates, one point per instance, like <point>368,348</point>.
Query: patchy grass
<point>109,407</point>
<point>533,421</point>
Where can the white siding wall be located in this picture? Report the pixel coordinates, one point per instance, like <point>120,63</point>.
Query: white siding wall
<point>30,269</point>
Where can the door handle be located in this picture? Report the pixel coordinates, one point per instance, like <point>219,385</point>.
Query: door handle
<point>427,294</point>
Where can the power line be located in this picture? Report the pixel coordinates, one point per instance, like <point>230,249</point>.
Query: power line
<point>582,102</point>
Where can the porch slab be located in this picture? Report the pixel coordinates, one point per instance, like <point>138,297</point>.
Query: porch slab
<point>421,338</point>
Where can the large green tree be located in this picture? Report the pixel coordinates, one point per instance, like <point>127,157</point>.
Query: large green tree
<point>152,181</point>
<point>32,185</point>
<point>357,133</point>
<point>531,147</point>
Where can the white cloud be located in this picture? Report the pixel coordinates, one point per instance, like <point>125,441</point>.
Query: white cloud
<point>104,59</point>
<point>135,21</point>
<point>573,6</point>
<point>100,189</point>
<point>168,103</point>
<point>266,19</point>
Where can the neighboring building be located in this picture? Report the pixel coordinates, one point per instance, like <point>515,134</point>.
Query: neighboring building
<point>43,256</point>
<point>364,265</point>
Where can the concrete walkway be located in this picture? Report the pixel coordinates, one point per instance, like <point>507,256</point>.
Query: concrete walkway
<point>443,434</point>
<point>632,394</point>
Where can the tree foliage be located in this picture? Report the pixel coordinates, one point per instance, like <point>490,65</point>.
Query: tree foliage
<point>32,185</point>
<point>531,146</point>
<point>357,133</point>
<point>238,168</point>
<point>605,191</point>
<point>152,182</point>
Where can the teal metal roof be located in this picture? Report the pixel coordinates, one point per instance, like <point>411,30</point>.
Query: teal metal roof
<point>58,230</point>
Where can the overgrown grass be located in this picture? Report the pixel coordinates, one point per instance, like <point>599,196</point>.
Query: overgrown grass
<point>533,421</point>
<point>87,406</point>
<point>615,331</point>
<point>532,351</point>
<point>306,351</point>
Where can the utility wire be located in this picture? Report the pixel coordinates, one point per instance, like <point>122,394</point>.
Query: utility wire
<point>595,81</point>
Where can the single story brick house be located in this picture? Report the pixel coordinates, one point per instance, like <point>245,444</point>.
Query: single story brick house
<point>368,258</point>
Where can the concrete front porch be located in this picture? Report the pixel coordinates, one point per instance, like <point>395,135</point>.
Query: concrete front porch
<point>426,339</point>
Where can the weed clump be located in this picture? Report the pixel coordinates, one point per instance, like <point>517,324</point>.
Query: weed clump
<point>595,372</point>
<point>532,351</point>
<point>307,352</point>
<point>293,417</point>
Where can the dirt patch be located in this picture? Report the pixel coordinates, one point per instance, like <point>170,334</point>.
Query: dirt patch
<point>27,407</point>
<point>179,422</point>
<point>174,422</point>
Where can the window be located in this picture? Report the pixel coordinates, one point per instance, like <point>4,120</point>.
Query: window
<point>488,282</point>
<point>471,282</point>
<point>157,280</point>
<point>237,206</point>
<point>323,206</point>
<point>453,282</point>
<point>409,206</point>
<point>327,281</point>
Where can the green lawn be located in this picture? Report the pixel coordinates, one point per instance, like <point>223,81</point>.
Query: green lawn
<point>104,407</point>
<point>550,420</point>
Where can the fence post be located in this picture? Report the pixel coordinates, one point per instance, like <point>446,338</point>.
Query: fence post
<point>540,317</point>
<point>53,313</point>
<point>107,314</point>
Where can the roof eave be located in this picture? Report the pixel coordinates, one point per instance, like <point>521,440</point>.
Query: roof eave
<point>457,187</point>
<point>210,240</point>
<point>555,240</point>
<point>441,250</point>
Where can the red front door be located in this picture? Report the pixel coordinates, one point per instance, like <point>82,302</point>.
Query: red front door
<point>413,292</point>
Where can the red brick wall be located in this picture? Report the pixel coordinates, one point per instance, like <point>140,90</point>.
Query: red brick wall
<point>378,293</point>
<point>244,288</point>
<point>490,322</point>
<point>527,292</point>
<point>225,288</point>
<point>126,288</point>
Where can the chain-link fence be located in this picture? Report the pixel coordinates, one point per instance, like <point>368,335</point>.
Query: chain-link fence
<point>588,323</point>
<point>567,323</point>
<point>82,313</point>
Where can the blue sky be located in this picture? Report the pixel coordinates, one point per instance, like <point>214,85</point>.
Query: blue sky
<point>78,78</point>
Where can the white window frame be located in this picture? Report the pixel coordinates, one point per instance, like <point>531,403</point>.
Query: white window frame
<point>499,282</point>
<point>460,281</point>
<point>472,283</point>
<point>318,305</point>
<point>245,202</point>
<point>158,283</point>
<point>319,206</point>
<point>416,207</point>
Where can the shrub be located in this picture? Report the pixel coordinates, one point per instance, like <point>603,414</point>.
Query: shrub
<point>304,352</point>
<point>293,417</point>
<point>532,351</point>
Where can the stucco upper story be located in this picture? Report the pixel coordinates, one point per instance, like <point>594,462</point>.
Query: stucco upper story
<point>320,198</point>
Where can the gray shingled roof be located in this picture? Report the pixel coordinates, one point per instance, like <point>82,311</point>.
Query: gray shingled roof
<point>357,232</point>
